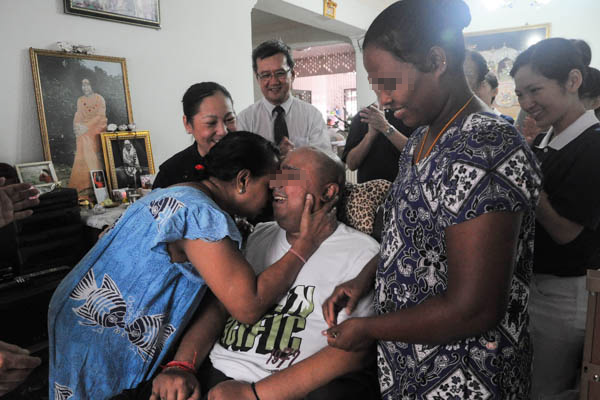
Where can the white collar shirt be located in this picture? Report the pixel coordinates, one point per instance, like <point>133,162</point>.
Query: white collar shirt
<point>305,123</point>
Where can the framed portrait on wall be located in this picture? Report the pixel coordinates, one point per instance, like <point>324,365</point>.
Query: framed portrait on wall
<point>500,48</point>
<point>77,95</point>
<point>137,12</point>
<point>40,174</point>
<point>127,156</point>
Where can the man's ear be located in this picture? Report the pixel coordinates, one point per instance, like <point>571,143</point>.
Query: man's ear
<point>330,191</point>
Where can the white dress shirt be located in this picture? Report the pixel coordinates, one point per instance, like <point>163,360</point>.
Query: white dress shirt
<point>304,122</point>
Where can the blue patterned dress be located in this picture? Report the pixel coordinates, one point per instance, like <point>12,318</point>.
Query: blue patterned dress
<point>113,318</point>
<point>480,165</point>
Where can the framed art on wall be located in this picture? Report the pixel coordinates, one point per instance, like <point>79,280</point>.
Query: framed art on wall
<point>127,156</point>
<point>500,48</point>
<point>137,12</point>
<point>40,174</point>
<point>76,96</point>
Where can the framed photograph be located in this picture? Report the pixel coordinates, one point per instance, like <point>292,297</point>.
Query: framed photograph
<point>40,174</point>
<point>500,48</point>
<point>77,95</point>
<point>99,184</point>
<point>329,7</point>
<point>127,156</point>
<point>137,12</point>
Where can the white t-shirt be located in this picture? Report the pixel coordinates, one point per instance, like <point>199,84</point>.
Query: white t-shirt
<point>304,121</point>
<point>291,331</point>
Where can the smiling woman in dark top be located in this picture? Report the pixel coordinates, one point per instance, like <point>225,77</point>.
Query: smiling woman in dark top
<point>208,115</point>
<point>550,79</point>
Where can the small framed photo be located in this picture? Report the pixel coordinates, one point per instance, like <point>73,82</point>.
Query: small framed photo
<point>329,7</point>
<point>99,184</point>
<point>138,12</point>
<point>127,156</point>
<point>147,181</point>
<point>40,174</point>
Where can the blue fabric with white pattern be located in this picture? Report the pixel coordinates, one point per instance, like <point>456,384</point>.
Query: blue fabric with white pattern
<point>481,164</point>
<point>117,313</point>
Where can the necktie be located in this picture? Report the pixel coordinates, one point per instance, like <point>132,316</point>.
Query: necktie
<point>280,127</point>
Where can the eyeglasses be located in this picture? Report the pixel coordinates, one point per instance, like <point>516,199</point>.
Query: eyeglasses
<point>280,75</point>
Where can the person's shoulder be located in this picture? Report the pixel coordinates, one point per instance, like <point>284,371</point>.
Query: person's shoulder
<point>265,228</point>
<point>176,159</point>
<point>487,126</point>
<point>355,240</point>
<point>263,231</point>
<point>305,107</point>
<point>252,108</point>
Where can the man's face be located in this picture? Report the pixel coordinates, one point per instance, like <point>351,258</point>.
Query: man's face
<point>297,177</point>
<point>275,78</point>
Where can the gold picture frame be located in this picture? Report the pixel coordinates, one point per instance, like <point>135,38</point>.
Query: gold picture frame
<point>141,12</point>
<point>329,7</point>
<point>125,163</point>
<point>500,48</point>
<point>76,96</point>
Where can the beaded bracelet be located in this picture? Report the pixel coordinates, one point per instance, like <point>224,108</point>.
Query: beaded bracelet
<point>253,386</point>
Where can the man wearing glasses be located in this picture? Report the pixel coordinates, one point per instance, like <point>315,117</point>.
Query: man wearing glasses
<point>280,117</point>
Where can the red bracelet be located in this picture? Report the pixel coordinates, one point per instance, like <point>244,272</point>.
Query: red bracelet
<point>183,365</point>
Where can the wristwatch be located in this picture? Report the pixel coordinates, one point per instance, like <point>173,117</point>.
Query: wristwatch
<point>389,131</point>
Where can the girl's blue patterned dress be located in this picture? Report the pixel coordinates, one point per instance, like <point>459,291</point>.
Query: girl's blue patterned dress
<point>117,313</point>
<point>481,164</point>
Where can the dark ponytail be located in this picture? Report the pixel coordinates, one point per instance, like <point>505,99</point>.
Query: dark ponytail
<point>410,28</point>
<point>237,151</point>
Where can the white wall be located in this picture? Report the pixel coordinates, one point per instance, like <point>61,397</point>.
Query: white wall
<point>572,19</point>
<point>199,40</point>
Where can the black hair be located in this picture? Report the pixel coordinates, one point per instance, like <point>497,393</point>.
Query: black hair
<point>410,28</point>
<point>480,65</point>
<point>554,58</point>
<point>491,79</point>
<point>591,84</point>
<point>196,93</point>
<point>270,48</point>
<point>237,151</point>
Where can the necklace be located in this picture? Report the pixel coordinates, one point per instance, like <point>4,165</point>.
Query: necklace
<point>441,132</point>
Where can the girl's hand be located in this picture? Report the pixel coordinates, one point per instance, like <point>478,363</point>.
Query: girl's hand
<point>346,295</point>
<point>317,226</point>
<point>177,384</point>
<point>350,335</point>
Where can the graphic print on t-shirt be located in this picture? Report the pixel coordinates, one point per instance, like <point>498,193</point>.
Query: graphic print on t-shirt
<point>274,333</point>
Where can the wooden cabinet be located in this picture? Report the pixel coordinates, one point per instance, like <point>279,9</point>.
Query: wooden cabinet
<point>590,369</point>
